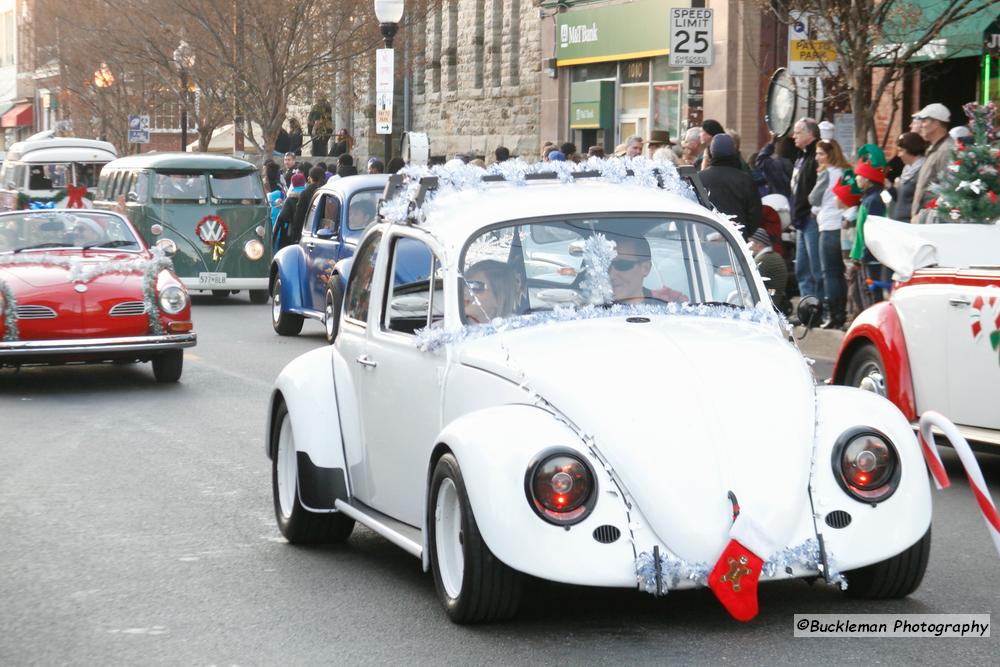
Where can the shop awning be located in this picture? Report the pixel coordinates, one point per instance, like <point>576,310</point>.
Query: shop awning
<point>6,106</point>
<point>19,116</point>
<point>959,39</point>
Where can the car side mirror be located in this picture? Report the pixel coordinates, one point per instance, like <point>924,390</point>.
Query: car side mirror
<point>808,311</point>
<point>325,233</point>
<point>132,196</point>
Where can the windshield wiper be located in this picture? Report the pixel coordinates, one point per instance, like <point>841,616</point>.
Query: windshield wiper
<point>50,244</point>
<point>108,244</point>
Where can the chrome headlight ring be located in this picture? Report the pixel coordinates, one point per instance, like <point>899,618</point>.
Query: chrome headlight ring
<point>173,299</point>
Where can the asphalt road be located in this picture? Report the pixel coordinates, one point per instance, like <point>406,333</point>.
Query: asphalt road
<point>138,528</point>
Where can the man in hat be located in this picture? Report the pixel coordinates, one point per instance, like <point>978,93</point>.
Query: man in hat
<point>658,146</point>
<point>771,266</point>
<point>709,128</point>
<point>934,120</point>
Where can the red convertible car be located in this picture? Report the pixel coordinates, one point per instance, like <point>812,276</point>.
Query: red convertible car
<point>82,287</point>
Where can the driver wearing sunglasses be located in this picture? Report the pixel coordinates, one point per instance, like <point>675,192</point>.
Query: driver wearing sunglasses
<point>629,268</point>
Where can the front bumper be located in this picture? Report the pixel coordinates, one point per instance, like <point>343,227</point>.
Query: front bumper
<point>94,347</point>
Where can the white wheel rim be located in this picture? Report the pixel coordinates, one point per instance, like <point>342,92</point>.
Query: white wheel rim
<point>276,301</point>
<point>448,538</point>
<point>287,468</point>
<point>329,318</point>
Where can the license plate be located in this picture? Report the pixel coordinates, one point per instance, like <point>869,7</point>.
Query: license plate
<point>211,278</point>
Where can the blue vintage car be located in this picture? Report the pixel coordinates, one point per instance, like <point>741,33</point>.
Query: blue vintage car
<point>308,279</point>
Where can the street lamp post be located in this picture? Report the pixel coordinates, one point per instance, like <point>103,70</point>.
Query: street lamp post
<point>389,13</point>
<point>103,80</point>
<point>184,60</point>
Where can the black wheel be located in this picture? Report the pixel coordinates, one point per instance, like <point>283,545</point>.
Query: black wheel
<point>471,582</point>
<point>866,370</point>
<point>297,524</point>
<point>167,366</point>
<point>331,313</point>
<point>285,324</point>
<point>259,296</point>
<point>220,293</point>
<point>896,577</point>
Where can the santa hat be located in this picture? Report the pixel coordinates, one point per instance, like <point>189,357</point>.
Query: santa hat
<point>871,163</point>
<point>847,190</point>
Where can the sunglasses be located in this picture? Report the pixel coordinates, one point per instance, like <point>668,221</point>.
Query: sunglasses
<point>625,264</point>
<point>476,286</point>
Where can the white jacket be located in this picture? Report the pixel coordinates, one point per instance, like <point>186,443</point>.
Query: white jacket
<point>824,202</point>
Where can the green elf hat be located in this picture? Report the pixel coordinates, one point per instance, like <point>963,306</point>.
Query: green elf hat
<point>847,190</point>
<point>871,163</point>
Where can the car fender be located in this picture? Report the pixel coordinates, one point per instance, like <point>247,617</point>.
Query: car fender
<point>306,387</point>
<point>879,531</point>
<point>343,270</point>
<point>494,448</point>
<point>880,326</point>
<point>290,265</point>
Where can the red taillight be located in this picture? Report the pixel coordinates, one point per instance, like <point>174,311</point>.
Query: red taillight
<point>561,487</point>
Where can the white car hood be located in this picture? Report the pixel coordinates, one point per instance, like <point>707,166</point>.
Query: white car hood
<point>685,409</point>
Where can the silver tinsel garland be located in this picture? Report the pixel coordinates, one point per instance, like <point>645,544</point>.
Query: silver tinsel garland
<point>430,339</point>
<point>82,271</point>
<point>598,253</point>
<point>456,176</point>
<point>673,570</point>
<point>9,312</point>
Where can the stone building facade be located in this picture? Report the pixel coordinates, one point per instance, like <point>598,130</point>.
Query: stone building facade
<point>467,74</point>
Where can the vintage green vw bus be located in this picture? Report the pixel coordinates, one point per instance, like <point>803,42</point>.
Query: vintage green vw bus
<point>207,212</point>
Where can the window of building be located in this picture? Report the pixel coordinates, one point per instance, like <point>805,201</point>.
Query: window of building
<point>451,54</point>
<point>436,51</point>
<point>166,117</point>
<point>7,41</point>
<point>633,99</point>
<point>496,42</point>
<point>515,42</point>
<point>479,44</point>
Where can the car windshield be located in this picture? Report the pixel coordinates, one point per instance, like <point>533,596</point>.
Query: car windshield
<point>62,229</point>
<point>236,187</point>
<point>179,187</point>
<point>526,267</point>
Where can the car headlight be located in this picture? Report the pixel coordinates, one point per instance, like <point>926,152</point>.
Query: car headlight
<point>866,465</point>
<point>173,299</point>
<point>561,487</point>
<point>168,246</point>
<point>253,249</point>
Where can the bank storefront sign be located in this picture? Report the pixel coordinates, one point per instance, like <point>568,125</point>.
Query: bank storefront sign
<point>639,29</point>
<point>592,105</point>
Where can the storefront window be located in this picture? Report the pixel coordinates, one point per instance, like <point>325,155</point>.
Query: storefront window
<point>662,71</point>
<point>594,71</point>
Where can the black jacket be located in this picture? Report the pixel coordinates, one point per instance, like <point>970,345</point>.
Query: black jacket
<point>281,143</point>
<point>801,208</point>
<point>295,142</point>
<point>301,209</point>
<point>733,192</point>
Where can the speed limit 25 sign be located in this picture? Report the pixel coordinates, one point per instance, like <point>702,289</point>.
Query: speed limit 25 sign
<point>691,37</point>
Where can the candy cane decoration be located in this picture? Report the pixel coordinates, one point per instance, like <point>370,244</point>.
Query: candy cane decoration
<point>972,471</point>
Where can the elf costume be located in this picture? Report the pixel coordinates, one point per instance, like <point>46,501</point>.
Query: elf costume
<point>871,165</point>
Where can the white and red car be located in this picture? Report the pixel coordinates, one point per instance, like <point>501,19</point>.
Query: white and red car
<point>935,344</point>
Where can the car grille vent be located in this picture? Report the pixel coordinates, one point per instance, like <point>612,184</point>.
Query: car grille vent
<point>28,312</point>
<point>127,308</point>
<point>606,534</point>
<point>838,519</point>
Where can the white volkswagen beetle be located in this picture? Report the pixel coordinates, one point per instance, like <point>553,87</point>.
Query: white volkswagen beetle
<point>576,378</point>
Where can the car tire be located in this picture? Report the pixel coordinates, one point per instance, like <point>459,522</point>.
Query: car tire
<point>896,577</point>
<point>296,523</point>
<point>474,585</point>
<point>331,313</point>
<point>285,324</point>
<point>259,296</point>
<point>866,370</point>
<point>168,366</point>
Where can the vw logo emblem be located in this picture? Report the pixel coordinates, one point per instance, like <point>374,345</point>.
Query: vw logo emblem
<point>79,287</point>
<point>211,229</point>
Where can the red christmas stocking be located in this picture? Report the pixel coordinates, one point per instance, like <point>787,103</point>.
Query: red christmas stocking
<point>734,580</point>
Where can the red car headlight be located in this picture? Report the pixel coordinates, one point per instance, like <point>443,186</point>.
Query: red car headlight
<point>866,465</point>
<point>561,487</point>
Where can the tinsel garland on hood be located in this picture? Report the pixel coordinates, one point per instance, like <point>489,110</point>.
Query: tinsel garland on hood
<point>83,271</point>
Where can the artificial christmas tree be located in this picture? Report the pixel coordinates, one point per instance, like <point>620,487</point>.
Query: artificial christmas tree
<point>970,187</point>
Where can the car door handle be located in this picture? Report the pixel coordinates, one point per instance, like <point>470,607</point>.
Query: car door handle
<point>310,245</point>
<point>365,361</point>
<point>959,301</point>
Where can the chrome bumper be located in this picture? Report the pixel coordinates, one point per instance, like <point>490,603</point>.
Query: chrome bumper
<point>96,346</point>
